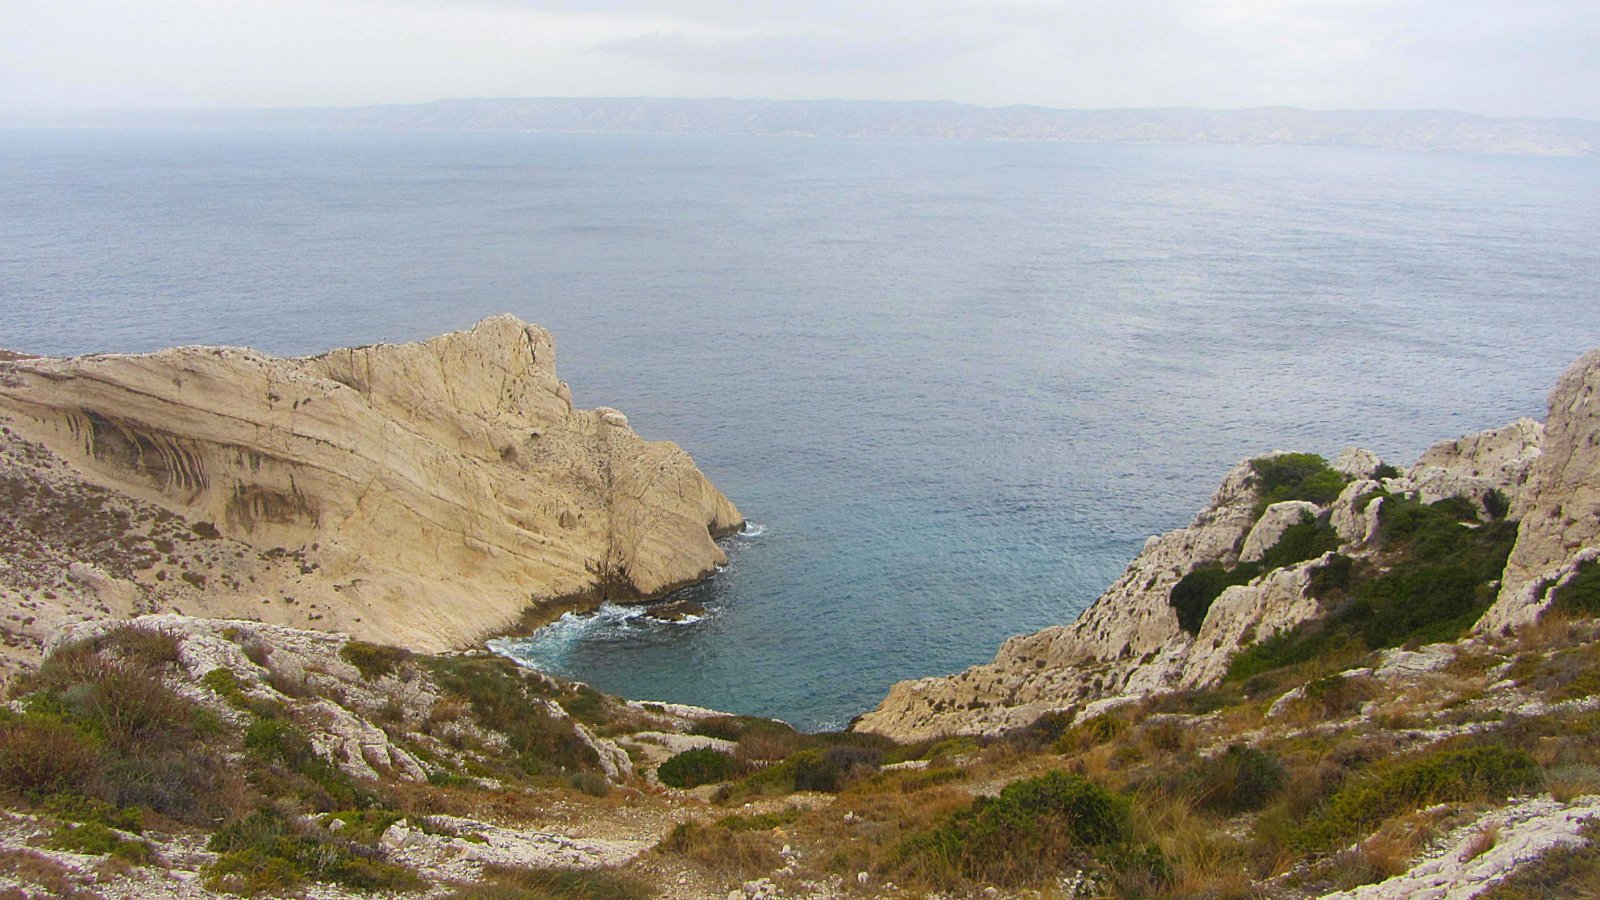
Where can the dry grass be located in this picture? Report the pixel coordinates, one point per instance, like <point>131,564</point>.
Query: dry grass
<point>34,868</point>
<point>1481,843</point>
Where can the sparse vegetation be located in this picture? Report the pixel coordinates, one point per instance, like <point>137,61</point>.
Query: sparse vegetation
<point>505,883</point>
<point>1295,476</point>
<point>1035,828</point>
<point>692,768</point>
<point>1488,772</point>
<point>373,661</point>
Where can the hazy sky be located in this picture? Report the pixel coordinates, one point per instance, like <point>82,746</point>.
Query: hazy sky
<point>1498,57</point>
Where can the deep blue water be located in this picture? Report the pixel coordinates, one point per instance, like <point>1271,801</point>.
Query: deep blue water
<point>957,383</point>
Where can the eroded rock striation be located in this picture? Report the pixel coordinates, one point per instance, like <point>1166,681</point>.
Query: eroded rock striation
<point>1131,643</point>
<point>419,494</point>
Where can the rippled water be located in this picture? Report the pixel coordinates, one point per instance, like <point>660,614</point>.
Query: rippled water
<point>957,383</point>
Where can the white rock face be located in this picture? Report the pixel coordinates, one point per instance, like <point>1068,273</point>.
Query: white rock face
<point>1274,522</point>
<point>1127,643</point>
<point>1356,526</point>
<point>1357,463</point>
<point>1560,507</point>
<point>1501,459</point>
<point>426,493</point>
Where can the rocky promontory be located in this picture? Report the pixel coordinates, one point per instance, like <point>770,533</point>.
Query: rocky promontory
<point>1536,484</point>
<point>420,494</point>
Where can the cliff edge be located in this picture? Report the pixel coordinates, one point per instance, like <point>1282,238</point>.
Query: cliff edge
<point>1292,551</point>
<point>419,494</point>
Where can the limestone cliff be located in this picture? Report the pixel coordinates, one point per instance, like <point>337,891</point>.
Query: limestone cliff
<point>1560,527</point>
<point>1130,643</point>
<point>419,494</point>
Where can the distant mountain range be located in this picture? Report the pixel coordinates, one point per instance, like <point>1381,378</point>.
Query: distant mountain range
<point>1436,130</point>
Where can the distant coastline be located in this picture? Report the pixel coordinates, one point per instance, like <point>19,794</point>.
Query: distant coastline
<point>1407,130</point>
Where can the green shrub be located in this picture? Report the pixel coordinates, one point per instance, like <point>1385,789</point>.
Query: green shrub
<point>266,852</point>
<point>1238,780</point>
<point>1333,578</point>
<point>1295,476</point>
<point>592,783</point>
<point>41,755</point>
<point>815,770</point>
<point>1496,504</point>
<point>1035,828</point>
<point>762,822</point>
<point>98,840</point>
<point>1194,593</point>
<point>141,644</point>
<point>373,661</point>
<point>501,699</point>
<point>1581,594</point>
<point>1092,733</point>
<point>1307,539</point>
<point>696,767</point>
<point>90,811</point>
<point>585,704</point>
<point>320,783</point>
<point>1488,772</point>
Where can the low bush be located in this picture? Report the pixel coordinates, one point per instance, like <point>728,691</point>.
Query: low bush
<point>89,811</point>
<point>1092,733</point>
<point>1487,772</point>
<point>373,661</point>
<point>1581,594</point>
<point>41,755</point>
<point>725,850</point>
<point>1307,539</point>
<point>1295,476</point>
<point>98,840</point>
<point>1034,829</point>
<point>266,852</point>
<point>1194,593</point>
<point>502,699</point>
<point>1238,780</point>
<point>506,883</point>
<point>692,768</point>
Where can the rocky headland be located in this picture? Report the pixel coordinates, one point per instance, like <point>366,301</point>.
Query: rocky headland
<point>423,494</point>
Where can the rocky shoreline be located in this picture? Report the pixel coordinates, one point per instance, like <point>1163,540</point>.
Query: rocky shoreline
<point>1340,680</point>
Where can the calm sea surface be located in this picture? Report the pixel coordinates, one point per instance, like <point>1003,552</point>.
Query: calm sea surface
<point>956,384</point>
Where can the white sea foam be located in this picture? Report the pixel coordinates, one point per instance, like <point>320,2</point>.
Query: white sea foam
<point>751,530</point>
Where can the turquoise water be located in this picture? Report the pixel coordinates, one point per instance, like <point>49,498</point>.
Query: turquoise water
<point>957,384</point>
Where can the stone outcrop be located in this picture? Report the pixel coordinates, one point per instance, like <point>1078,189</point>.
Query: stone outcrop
<point>1128,644</point>
<point>1499,460</point>
<point>418,494</point>
<point>1560,506</point>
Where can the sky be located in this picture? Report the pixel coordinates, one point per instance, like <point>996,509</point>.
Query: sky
<point>1493,57</point>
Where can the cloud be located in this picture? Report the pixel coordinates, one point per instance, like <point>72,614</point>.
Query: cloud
<point>805,52</point>
<point>1501,57</point>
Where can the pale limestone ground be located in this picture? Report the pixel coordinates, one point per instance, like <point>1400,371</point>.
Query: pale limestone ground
<point>1526,831</point>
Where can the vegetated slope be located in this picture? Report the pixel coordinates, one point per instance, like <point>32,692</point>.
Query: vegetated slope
<point>422,494</point>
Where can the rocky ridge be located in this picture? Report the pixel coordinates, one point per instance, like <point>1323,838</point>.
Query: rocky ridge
<point>1130,643</point>
<point>420,494</point>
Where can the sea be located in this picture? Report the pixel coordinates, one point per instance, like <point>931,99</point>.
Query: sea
<point>953,385</point>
